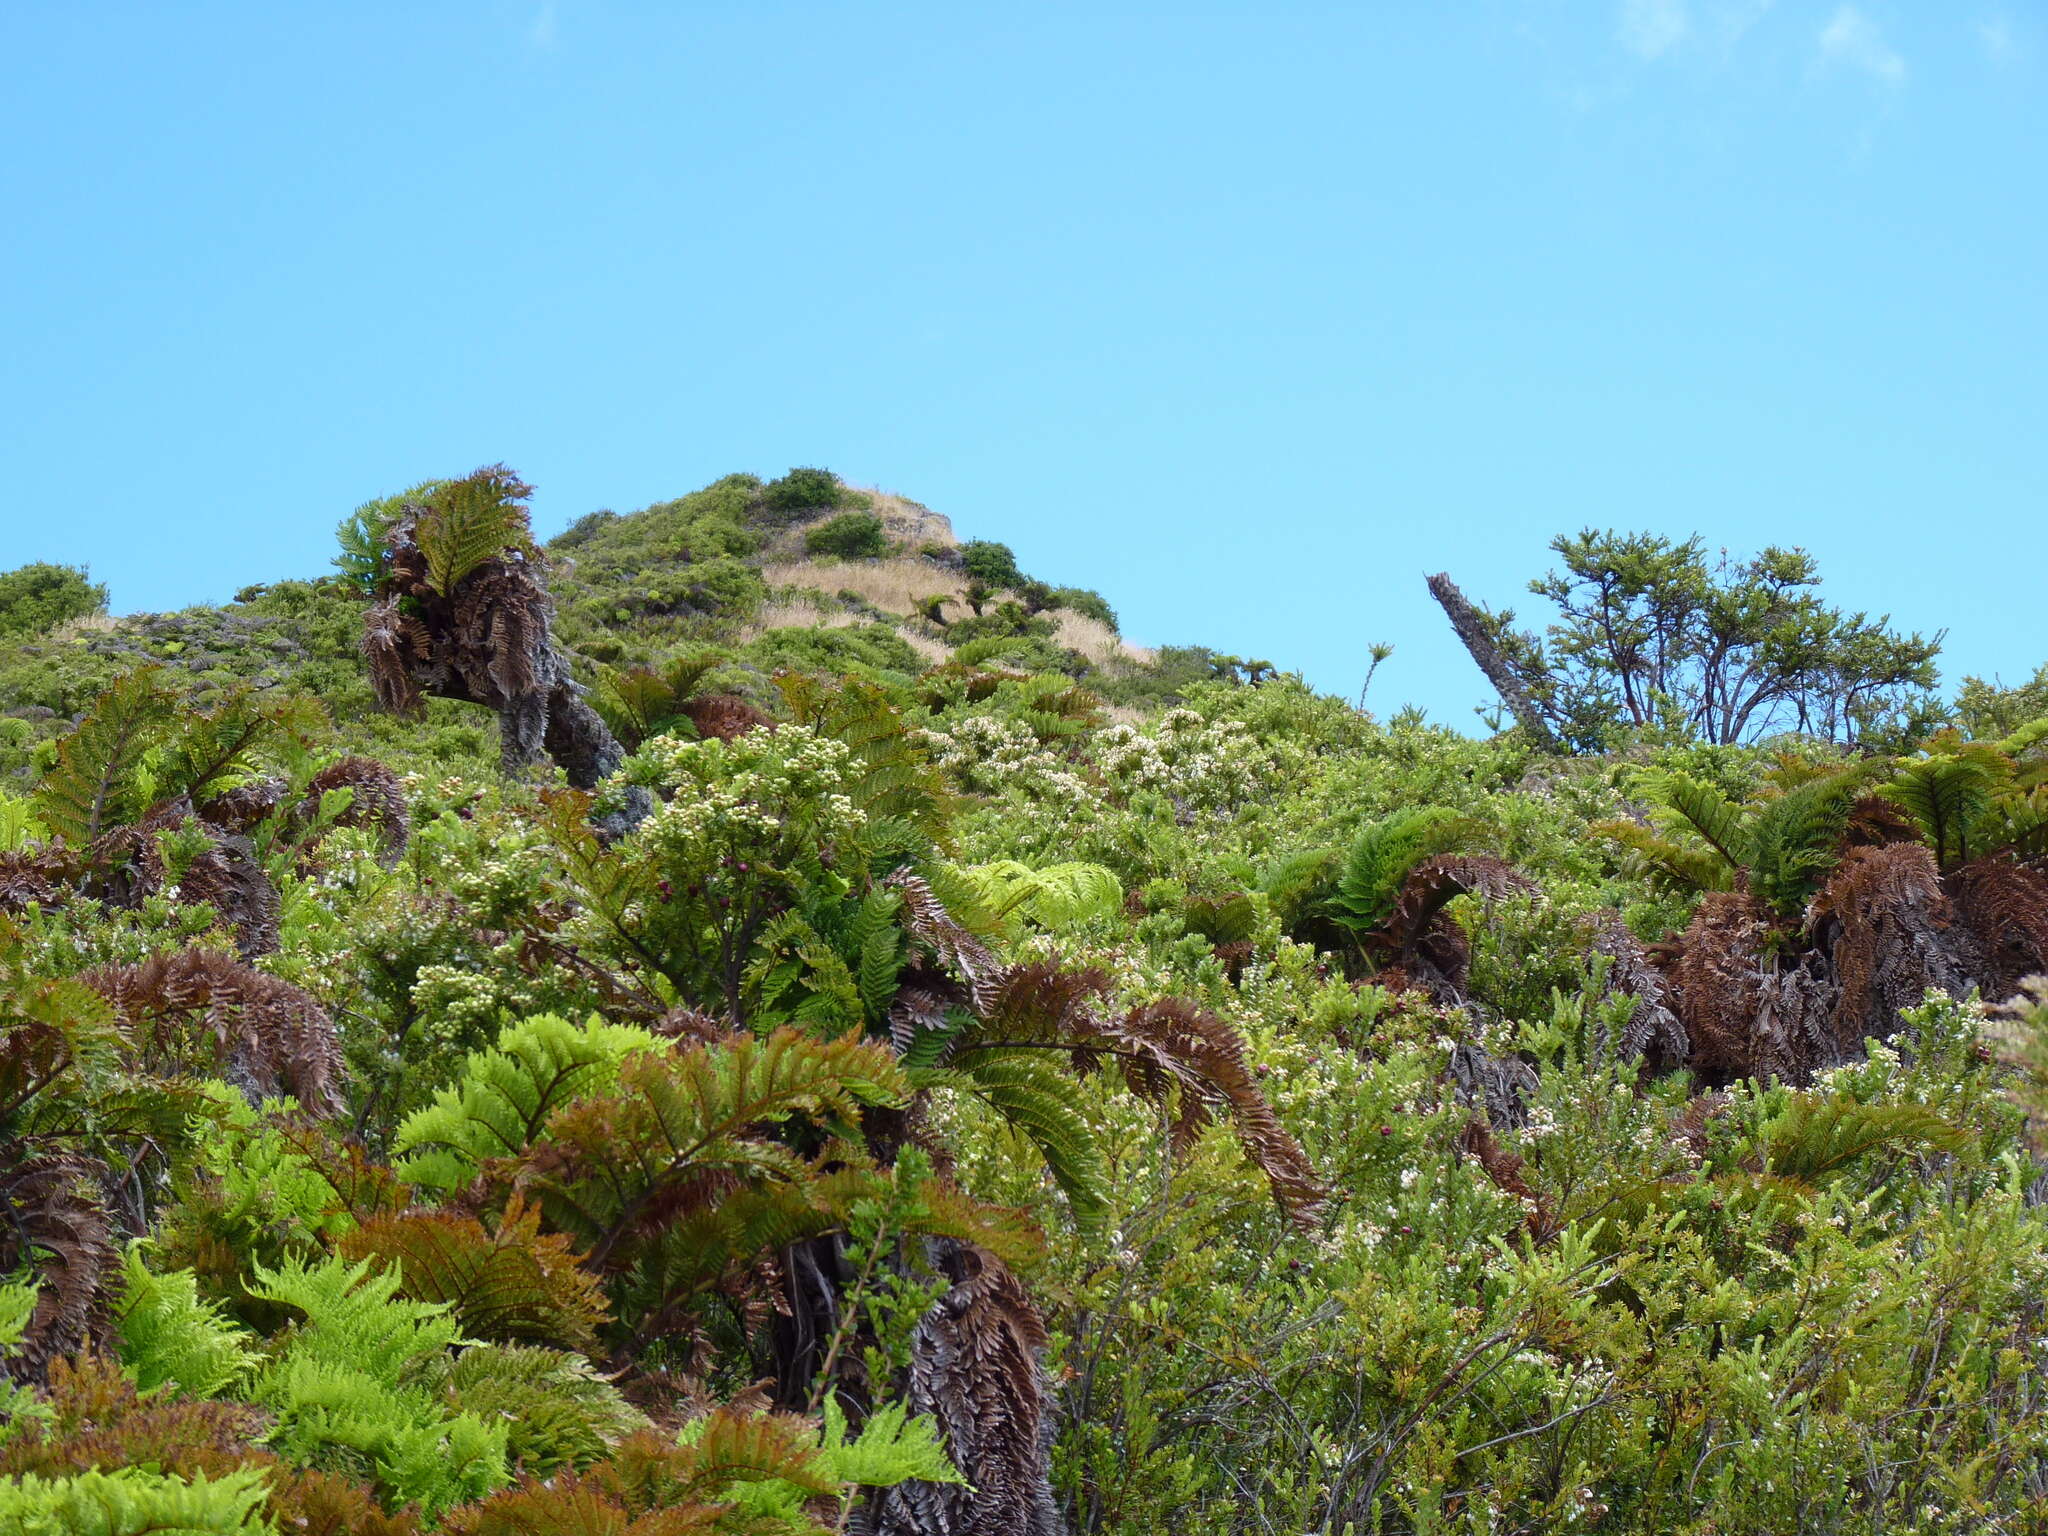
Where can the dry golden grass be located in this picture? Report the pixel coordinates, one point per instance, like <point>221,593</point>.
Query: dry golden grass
<point>894,586</point>
<point>797,614</point>
<point>1096,640</point>
<point>925,646</point>
<point>84,624</point>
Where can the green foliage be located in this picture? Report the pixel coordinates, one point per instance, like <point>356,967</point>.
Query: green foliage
<point>135,1501</point>
<point>501,1103</point>
<point>365,558</point>
<point>849,536</point>
<point>1385,853</point>
<point>469,521</point>
<point>990,563</point>
<point>900,1031</point>
<point>1057,897</point>
<point>801,491</point>
<point>345,1394</point>
<point>1654,634</point>
<point>36,598</point>
<point>169,1334</point>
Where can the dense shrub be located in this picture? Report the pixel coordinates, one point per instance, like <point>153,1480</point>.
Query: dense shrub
<point>849,536</point>
<point>35,598</point>
<point>991,563</point>
<point>800,492</point>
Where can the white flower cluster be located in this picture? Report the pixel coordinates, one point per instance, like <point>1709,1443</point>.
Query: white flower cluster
<point>988,755</point>
<point>743,794</point>
<point>1202,765</point>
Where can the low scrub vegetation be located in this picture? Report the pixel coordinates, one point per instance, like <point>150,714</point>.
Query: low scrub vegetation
<point>614,1035</point>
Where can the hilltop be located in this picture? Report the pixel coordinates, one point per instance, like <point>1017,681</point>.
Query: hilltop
<point>801,572</point>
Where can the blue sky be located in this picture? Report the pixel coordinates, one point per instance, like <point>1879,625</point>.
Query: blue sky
<point>1249,315</point>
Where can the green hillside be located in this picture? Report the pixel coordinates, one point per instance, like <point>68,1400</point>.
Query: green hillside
<point>757,1015</point>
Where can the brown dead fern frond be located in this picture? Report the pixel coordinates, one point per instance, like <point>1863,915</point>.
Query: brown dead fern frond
<point>977,1369</point>
<point>2002,905</point>
<point>377,802</point>
<point>198,1010</point>
<point>1889,929</point>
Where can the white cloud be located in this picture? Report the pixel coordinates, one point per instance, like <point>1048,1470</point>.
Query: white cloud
<point>1852,38</point>
<point>541,30</point>
<point>1652,28</point>
<point>1996,36</point>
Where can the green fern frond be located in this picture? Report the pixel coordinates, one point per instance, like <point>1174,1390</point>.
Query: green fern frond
<point>19,828</point>
<point>1793,838</point>
<point>1688,866</point>
<point>365,556</point>
<point>1058,897</point>
<point>168,1334</point>
<point>136,1501</point>
<point>557,1409</point>
<point>1385,852</point>
<point>502,1101</point>
<point>1947,795</point>
<point>1681,803</point>
<point>1815,1136</point>
<point>1036,1099</point>
<point>891,1448</point>
<point>478,518</point>
<point>93,785</point>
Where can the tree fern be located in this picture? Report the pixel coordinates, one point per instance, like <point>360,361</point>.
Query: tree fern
<point>513,1283</point>
<point>1688,866</point>
<point>676,1118</point>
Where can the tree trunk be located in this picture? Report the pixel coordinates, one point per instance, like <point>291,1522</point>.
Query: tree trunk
<point>1472,630</point>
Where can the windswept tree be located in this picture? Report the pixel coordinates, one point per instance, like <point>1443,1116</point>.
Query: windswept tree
<point>1656,633</point>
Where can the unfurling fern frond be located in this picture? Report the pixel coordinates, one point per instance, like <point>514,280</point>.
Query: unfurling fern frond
<point>467,522</point>
<point>1384,852</point>
<point>93,785</point>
